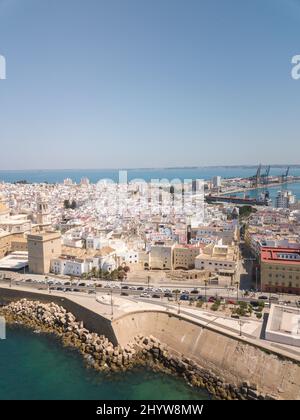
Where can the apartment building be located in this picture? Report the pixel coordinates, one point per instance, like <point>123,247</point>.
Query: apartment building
<point>280,270</point>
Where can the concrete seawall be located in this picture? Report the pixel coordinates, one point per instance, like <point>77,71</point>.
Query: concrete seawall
<point>227,357</point>
<point>92,321</point>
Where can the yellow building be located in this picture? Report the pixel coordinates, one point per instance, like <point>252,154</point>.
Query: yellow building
<point>41,249</point>
<point>280,270</point>
<point>11,242</point>
<point>184,256</point>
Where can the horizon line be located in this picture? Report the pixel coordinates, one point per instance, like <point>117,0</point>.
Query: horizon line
<point>275,165</point>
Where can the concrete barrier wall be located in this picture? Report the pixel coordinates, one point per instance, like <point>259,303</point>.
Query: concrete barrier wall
<point>91,320</point>
<point>230,358</point>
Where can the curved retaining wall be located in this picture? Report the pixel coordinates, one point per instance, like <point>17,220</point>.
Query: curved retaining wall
<point>230,358</point>
<point>91,320</point>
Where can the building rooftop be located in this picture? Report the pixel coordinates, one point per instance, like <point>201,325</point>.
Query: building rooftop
<point>280,255</point>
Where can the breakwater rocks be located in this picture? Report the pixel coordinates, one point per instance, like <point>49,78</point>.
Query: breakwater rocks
<point>100,354</point>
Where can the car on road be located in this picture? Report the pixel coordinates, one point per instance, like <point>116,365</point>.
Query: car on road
<point>98,285</point>
<point>168,295</point>
<point>235,316</point>
<point>194,291</point>
<point>81,284</point>
<point>124,294</point>
<point>262,297</point>
<point>156,296</point>
<point>140,288</point>
<point>145,295</point>
<point>274,298</point>
<point>184,297</point>
<point>28,280</point>
<point>230,302</point>
<point>91,292</point>
<point>212,299</point>
<point>76,290</point>
<point>124,287</point>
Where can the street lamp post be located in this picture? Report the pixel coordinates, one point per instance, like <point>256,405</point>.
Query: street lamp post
<point>240,324</point>
<point>178,308</point>
<point>237,291</point>
<point>256,279</point>
<point>111,303</point>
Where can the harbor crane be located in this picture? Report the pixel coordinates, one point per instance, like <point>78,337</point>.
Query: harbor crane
<point>284,177</point>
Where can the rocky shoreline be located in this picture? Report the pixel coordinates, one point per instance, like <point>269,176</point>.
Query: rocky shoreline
<point>100,354</point>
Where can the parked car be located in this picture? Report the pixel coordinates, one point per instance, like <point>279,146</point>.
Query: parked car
<point>230,302</point>
<point>274,298</point>
<point>81,284</point>
<point>194,291</point>
<point>212,299</point>
<point>235,316</point>
<point>124,294</point>
<point>263,297</point>
<point>140,288</point>
<point>91,292</point>
<point>254,303</point>
<point>184,297</point>
<point>98,285</point>
<point>144,295</point>
<point>124,287</point>
<point>168,295</point>
<point>156,296</point>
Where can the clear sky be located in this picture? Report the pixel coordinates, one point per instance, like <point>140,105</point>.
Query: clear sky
<point>148,83</point>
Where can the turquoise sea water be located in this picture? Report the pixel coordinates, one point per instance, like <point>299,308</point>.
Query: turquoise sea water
<point>53,176</point>
<point>37,366</point>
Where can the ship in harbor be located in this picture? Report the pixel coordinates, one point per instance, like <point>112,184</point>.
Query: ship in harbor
<point>262,200</point>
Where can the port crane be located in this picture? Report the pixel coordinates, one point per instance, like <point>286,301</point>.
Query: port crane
<point>265,176</point>
<point>285,175</point>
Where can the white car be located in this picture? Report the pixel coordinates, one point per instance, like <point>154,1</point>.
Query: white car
<point>145,295</point>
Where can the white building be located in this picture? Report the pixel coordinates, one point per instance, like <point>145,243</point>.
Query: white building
<point>69,266</point>
<point>216,181</point>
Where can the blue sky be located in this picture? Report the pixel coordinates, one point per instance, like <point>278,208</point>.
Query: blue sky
<point>148,83</point>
